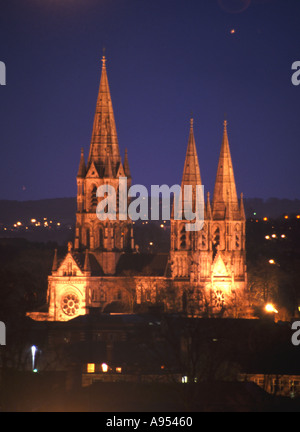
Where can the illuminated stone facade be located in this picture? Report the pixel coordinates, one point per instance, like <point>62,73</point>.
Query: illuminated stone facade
<point>205,272</point>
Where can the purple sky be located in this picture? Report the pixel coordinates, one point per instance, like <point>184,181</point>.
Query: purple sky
<point>166,59</point>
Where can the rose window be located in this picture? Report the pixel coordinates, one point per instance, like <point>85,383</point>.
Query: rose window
<point>218,299</point>
<point>70,304</point>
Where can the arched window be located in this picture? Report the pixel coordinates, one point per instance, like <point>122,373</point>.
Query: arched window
<point>117,198</point>
<point>183,237</point>
<point>237,237</point>
<point>94,199</point>
<point>216,237</point>
<point>203,238</point>
<point>216,241</point>
<point>87,238</point>
<point>101,238</point>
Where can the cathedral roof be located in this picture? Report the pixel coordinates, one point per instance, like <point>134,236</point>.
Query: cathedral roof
<point>142,265</point>
<point>88,262</point>
<point>84,260</point>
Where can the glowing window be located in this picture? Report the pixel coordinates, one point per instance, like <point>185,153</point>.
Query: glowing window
<point>104,367</point>
<point>91,368</point>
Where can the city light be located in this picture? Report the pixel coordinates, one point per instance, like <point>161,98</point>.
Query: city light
<point>271,261</point>
<point>104,367</point>
<point>271,309</point>
<point>33,356</point>
<point>91,368</point>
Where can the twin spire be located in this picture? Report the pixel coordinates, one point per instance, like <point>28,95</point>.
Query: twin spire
<point>225,202</point>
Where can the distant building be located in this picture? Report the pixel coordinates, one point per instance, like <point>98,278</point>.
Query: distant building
<point>204,273</point>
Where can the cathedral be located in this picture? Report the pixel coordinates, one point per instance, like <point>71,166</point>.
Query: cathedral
<point>204,274</point>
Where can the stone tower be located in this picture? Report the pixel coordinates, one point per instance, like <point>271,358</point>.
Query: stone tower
<point>105,239</point>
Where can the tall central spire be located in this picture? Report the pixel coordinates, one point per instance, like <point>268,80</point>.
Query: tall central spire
<point>225,196</point>
<point>104,137</point>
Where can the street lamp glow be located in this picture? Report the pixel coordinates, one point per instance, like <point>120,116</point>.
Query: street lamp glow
<point>271,261</point>
<point>104,367</point>
<point>33,354</point>
<point>270,308</point>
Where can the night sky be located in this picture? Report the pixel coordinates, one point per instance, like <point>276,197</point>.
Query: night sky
<point>166,60</point>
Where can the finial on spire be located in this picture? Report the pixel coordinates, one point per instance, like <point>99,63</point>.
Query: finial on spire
<point>192,122</point>
<point>54,266</point>
<point>225,119</point>
<point>242,207</point>
<point>103,57</point>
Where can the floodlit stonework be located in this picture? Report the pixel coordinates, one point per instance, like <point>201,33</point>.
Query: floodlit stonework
<point>204,273</point>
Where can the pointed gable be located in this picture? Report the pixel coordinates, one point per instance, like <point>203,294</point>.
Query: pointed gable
<point>219,268</point>
<point>120,170</point>
<point>92,172</point>
<point>69,266</point>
